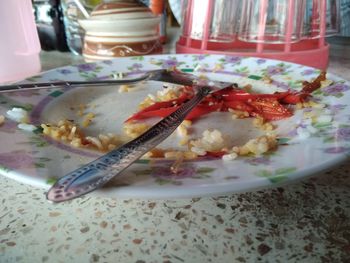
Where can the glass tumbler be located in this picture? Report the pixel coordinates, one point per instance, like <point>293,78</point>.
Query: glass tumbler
<point>322,17</point>
<point>71,14</point>
<point>209,19</point>
<point>271,21</point>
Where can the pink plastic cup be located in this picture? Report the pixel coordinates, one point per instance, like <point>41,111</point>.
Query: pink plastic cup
<point>19,45</point>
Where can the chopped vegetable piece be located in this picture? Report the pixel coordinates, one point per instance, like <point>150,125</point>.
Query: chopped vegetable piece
<point>268,106</point>
<point>309,87</point>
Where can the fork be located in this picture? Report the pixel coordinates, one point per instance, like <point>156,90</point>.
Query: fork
<point>165,75</point>
<point>150,75</point>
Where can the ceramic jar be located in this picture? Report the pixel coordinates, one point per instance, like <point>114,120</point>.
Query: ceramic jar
<point>120,29</point>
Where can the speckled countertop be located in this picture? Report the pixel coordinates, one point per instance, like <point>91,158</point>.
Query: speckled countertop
<point>308,221</point>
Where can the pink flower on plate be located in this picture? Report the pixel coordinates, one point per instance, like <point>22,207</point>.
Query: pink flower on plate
<point>335,108</point>
<point>64,71</point>
<point>87,67</point>
<point>343,133</point>
<point>337,88</point>
<point>170,62</point>
<point>136,67</point>
<point>308,72</point>
<point>107,62</point>
<point>337,150</point>
<point>260,160</point>
<point>27,93</point>
<point>200,56</point>
<point>164,172</point>
<point>232,59</point>
<point>16,160</point>
<point>261,61</point>
<point>8,126</point>
<point>275,70</point>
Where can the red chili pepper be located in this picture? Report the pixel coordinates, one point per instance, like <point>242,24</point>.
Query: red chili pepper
<point>309,87</point>
<point>294,98</point>
<point>158,106</point>
<point>162,112</point>
<point>270,109</point>
<point>197,112</point>
<point>245,96</point>
<point>230,94</point>
<point>266,105</point>
<point>216,154</point>
<point>201,110</point>
<point>238,105</point>
<point>223,91</point>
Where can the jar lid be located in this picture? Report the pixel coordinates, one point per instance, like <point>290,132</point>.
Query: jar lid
<point>122,9</point>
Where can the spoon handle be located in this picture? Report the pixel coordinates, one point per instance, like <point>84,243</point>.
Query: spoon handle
<point>97,173</point>
<point>68,83</point>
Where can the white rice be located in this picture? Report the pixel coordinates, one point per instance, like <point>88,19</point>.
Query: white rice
<point>27,127</point>
<point>124,88</point>
<point>21,116</point>
<point>303,133</point>
<point>2,119</point>
<point>199,151</point>
<point>119,75</point>
<point>211,141</point>
<point>324,118</point>
<point>18,115</point>
<point>230,156</point>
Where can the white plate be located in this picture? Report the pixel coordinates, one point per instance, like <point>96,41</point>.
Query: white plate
<point>33,159</point>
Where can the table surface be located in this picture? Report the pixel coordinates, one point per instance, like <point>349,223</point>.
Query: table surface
<point>308,221</point>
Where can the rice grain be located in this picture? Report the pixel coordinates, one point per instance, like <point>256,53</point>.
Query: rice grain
<point>2,119</point>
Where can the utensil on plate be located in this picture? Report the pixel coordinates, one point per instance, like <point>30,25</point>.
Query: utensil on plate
<point>98,172</point>
<point>164,75</point>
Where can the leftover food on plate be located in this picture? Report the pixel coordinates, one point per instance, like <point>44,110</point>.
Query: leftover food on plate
<point>2,119</point>
<point>241,103</point>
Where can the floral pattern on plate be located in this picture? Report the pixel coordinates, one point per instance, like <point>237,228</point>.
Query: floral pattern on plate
<point>30,158</point>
